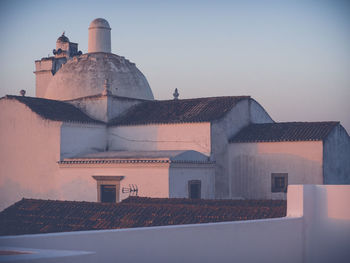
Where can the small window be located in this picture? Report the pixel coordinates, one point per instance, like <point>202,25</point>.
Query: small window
<point>108,188</point>
<point>194,189</point>
<point>279,182</point>
<point>108,193</point>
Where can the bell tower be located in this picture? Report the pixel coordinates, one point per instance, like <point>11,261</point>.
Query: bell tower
<point>47,67</point>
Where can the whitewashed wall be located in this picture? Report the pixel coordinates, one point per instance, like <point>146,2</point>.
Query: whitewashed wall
<point>181,174</point>
<point>30,148</point>
<point>308,234</point>
<point>251,165</point>
<point>245,112</point>
<point>29,151</point>
<point>152,180</point>
<point>76,183</point>
<point>257,113</point>
<point>186,136</point>
<point>326,221</point>
<point>80,139</point>
<point>43,75</point>
<point>336,154</point>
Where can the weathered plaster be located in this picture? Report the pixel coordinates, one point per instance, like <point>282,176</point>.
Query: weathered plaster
<point>245,112</point>
<point>79,139</point>
<point>251,165</point>
<point>45,69</point>
<point>183,136</point>
<point>151,180</point>
<point>85,75</point>
<point>181,174</point>
<point>336,168</point>
<point>29,150</point>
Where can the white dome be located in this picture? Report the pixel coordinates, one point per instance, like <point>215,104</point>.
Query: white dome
<point>85,76</point>
<point>100,23</point>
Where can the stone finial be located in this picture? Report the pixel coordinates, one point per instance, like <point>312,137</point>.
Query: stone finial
<point>106,90</point>
<point>22,92</point>
<point>176,94</point>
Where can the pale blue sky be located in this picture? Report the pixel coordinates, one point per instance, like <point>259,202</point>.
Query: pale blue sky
<point>293,57</point>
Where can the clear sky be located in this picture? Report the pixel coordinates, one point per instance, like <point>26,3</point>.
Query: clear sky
<point>293,57</point>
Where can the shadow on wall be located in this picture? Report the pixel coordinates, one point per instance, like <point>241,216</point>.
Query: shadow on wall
<point>12,191</point>
<point>252,167</point>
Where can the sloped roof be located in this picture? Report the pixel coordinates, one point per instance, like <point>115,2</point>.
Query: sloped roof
<point>53,109</point>
<point>31,216</point>
<point>178,111</point>
<point>285,131</point>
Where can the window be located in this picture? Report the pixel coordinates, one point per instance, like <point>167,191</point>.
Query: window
<point>108,193</point>
<point>194,189</point>
<point>279,182</point>
<point>108,188</point>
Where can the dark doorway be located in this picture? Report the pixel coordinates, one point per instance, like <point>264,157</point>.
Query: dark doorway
<point>194,189</point>
<point>108,193</point>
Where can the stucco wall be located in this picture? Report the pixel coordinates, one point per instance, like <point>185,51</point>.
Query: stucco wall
<point>257,113</point>
<point>187,136</point>
<point>251,165</point>
<point>76,183</point>
<point>181,174</point>
<point>326,221</point>
<point>336,168</point>
<point>245,112</point>
<point>44,72</point>
<point>79,139</point>
<point>29,150</point>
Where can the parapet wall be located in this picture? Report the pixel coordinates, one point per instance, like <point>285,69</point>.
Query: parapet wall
<point>316,229</point>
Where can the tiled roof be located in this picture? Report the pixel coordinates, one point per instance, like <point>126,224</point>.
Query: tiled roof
<point>30,216</point>
<point>163,156</point>
<point>284,131</point>
<point>178,111</point>
<point>53,109</point>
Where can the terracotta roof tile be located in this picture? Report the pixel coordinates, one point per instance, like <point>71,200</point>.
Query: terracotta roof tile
<point>53,109</point>
<point>178,111</point>
<point>30,216</point>
<point>284,131</point>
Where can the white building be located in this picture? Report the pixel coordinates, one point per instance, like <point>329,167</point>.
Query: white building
<point>94,132</point>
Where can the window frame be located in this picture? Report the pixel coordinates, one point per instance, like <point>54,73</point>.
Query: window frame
<point>108,180</point>
<point>274,187</point>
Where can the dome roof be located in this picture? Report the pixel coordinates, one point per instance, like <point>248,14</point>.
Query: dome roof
<point>99,22</point>
<point>85,76</point>
<point>63,38</point>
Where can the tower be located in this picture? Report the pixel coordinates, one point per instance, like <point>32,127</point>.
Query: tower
<point>46,68</point>
<point>99,36</point>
